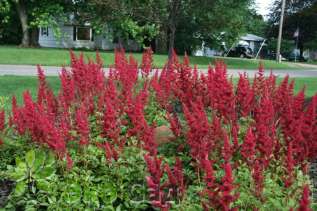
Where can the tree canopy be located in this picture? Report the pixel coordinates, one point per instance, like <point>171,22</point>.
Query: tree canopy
<point>299,15</point>
<point>180,24</point>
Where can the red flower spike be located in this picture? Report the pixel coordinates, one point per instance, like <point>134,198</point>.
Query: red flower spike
<point>248,146</point>
<point>2,120</point>
<point>82,125</point>
<point>147,61</point>
<point>304,204</point>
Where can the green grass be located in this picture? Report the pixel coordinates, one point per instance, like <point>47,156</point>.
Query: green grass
<point>58,57</point>
<point>16,85</point>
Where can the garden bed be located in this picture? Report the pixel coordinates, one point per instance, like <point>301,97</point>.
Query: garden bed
<point>179,140</point>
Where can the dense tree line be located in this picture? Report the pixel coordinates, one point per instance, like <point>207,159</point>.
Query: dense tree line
<point>180,24</point>
<point>300,16</point>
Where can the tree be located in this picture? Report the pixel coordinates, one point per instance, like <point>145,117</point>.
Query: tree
<point>191,20</point>
<point>9,30</point>
<point>299,14</point>
<point>212,22</point>
<point>35,13</point>
<point>136,19</point>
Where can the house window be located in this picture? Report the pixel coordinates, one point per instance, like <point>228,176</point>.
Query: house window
<point>83,33</point>
<point>44,31</point>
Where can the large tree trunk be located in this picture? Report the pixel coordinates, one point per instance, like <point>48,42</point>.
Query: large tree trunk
<point>171,41</point>
<point>34,37</point>
<point>172,24</point>
<point>21,8</point>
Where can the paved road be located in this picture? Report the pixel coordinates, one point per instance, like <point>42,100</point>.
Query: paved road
<point>29,70</point>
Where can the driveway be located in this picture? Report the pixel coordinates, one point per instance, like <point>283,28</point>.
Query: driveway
<point>29,70</point>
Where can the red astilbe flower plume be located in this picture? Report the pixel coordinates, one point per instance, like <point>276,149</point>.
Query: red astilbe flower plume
<point>235,138</point>
<point>221,93</point>
<point>259,82</point>
<point>298,103</point>
<point>264,124</point>
<point>220,196</point>
<point>175,183</point>
<point>227,197</point>
<point>82,125</point>
<point>2,120</point>
<point>227,148</point>
<point>110,151</point>
<point>309,129</point>
<point>99,59</point>
<point>16,118</point>
<point>258,178</point>
<point>147,60</point>
<point>304,204</point>
<point>111,125</point>
<point>68,87</point>
<point>289,163</point>
<point>199,136</point>
<point>162,85</point>
<point>42,86</point>
<point>186,61</point>
<point>45,95</point>
<point>157,196</point>
<point>69,162</point>
<point>244,96</point>
<point>248,146</point>
<point>174,124</point>
<point>211,190</point>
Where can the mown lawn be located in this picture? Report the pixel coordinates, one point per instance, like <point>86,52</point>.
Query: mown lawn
<point>16,85</point>
<point>58,57</point>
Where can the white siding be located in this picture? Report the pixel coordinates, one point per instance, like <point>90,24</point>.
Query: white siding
<point>66,41</point>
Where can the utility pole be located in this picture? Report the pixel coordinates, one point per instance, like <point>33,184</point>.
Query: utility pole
<point>279,40</point>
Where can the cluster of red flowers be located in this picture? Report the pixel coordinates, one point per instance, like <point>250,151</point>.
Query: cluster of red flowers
<point>279,124</point>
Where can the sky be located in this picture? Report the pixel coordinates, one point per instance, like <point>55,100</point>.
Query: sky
<point>263,6</point>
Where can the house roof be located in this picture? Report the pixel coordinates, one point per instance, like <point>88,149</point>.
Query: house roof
<point>252,37</point>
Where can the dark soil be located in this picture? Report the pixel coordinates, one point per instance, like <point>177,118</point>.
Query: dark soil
<point>6,187</point>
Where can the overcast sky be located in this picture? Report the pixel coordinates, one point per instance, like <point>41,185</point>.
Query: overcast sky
<point>263,6</point>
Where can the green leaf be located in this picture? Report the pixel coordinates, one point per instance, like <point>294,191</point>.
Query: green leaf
<point>45,172</point>
<point>30,158</point>
<point>72,194</point>
<point>50,160</point>
<point>43,185</point>
<point>91,198</point>
<point>118,208</point>
<point>19,162</point>
<point>19,172</point>
<point>39,161</point>
<point>20,188</point>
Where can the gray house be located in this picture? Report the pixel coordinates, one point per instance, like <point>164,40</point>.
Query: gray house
<point>253,41</point>
<point>250,40</point>
<point>80,36</point>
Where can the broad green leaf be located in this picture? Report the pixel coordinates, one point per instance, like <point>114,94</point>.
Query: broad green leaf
<point>20,188</point>
<point>45,172</point>
<point>18,174</point>
<point>72,194</point>
<point>39,161</point>
<point>91,198</point>
<point>50,160</point>
<point>30,158</point>
<point>19,163</point>
<point>43,185</point>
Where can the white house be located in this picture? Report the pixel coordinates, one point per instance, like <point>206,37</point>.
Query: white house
<point>80,36</point>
